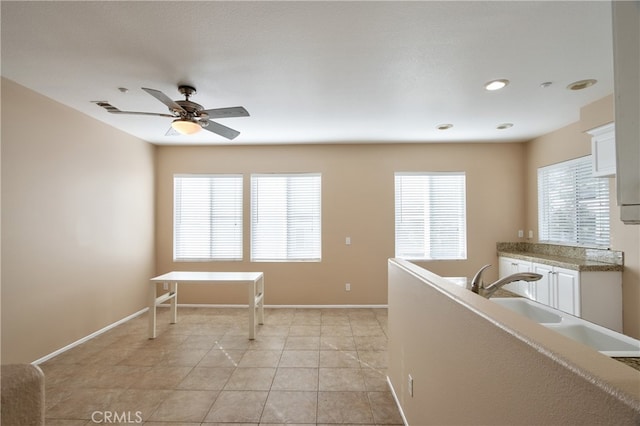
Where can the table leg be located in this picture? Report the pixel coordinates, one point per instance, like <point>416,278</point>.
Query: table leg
<point>261,304</point>
<point>152,310</point>
<point>173,288</point>
<point>252,310</point>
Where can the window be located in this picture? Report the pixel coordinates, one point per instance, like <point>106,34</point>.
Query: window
<point>285,217</point>
<point>207,219</point>
<point>431,216</point>
<point>573,206</point>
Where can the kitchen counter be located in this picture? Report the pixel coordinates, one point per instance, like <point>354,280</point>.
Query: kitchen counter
<point>564,262</point>
<point>575,258</point>
<point>631,362</point>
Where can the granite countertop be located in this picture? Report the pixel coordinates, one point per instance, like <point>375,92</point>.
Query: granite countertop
<point>576,258</point>
<point>631,362</point>
<point>564,262</point>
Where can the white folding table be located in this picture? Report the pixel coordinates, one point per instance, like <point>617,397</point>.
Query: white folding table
<point>253,280</point>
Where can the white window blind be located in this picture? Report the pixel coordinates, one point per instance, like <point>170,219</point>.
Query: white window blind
<point>207,220</point>
<point>430,215</point>
<point>573,206</point>
<point>285,217</point>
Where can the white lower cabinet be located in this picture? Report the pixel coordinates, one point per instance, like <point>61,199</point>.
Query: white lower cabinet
<point>508,266</point>
<point>558,288</point>
<point>566,290</point>
<point>594,296</point>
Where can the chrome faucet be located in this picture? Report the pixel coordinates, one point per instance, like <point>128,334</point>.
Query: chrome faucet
<point>478,287</point>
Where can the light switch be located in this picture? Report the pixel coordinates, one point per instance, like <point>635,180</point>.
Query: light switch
<point>347,241</point>
<point>520,233</point>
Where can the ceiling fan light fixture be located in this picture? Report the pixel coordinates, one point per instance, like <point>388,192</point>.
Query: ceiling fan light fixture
<point>186,127</point>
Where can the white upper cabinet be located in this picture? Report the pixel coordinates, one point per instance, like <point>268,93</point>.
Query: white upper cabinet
<point>626,67</point>
<point>603,150</point>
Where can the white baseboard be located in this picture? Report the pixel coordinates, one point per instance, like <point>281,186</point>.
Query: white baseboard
<point>201,305</point>
<point>89,337</point>
<point>328,306</point>
<point>395,398</point>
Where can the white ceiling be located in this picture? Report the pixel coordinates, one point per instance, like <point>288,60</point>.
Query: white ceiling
<point>316,72</point>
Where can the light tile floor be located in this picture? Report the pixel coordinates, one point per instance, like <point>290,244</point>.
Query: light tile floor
<point>306,366</point>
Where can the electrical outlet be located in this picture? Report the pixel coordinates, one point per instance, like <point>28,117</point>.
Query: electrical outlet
<point>347,241</point>
<point>520,233</point>
<point>165,286</point>
<point>410,385</point>
<point>347,287</point>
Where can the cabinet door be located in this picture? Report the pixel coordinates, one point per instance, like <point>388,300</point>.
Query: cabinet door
<point>603,150</point>
<point>510,266</point>
<point>505,266</point>
<point>626,57</point>
<point>567,290</point>
<point>544,286</point>
<point>527,289</point>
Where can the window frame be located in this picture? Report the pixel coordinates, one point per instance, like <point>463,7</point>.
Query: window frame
<point>580,212</point>
<point>428,252</point>
<point>257,253</point>
<point>237,254</point>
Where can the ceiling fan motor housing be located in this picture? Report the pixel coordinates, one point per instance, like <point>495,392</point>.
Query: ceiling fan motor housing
<point>187,91</point>
<point>191,109</point>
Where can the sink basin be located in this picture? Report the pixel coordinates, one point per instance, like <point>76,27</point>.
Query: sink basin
<point>603,340</point>
<point>606,341</point>
<point>530,309</point>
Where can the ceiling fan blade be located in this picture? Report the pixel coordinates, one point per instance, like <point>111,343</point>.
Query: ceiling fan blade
<point>221,130</point>
<point>164,99</point>
<point>172,132</point>
<point>227,112</point>
<point>113,110</point>
<point>143,113</point>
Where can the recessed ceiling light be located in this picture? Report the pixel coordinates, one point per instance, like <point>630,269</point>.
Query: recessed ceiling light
<point>444,126</point>
<point>545,84</point>
<point>123,89</point>
<point>496,84</point>
<point>581,84</point>
<point>504,126</point>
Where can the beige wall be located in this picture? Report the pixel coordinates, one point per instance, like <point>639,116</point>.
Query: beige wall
<point>572,142</point>
<point>78,217</point>
<point>358,201</point>
<point>476,363</point>
<point>77,224</point>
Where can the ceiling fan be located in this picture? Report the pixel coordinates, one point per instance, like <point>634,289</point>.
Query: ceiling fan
<point>189,116</point>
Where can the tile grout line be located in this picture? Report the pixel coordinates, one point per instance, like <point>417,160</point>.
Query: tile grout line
<point>373,346</point>
<point>272,380</point>
<point>235,365</point>
<point>318,387</point>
